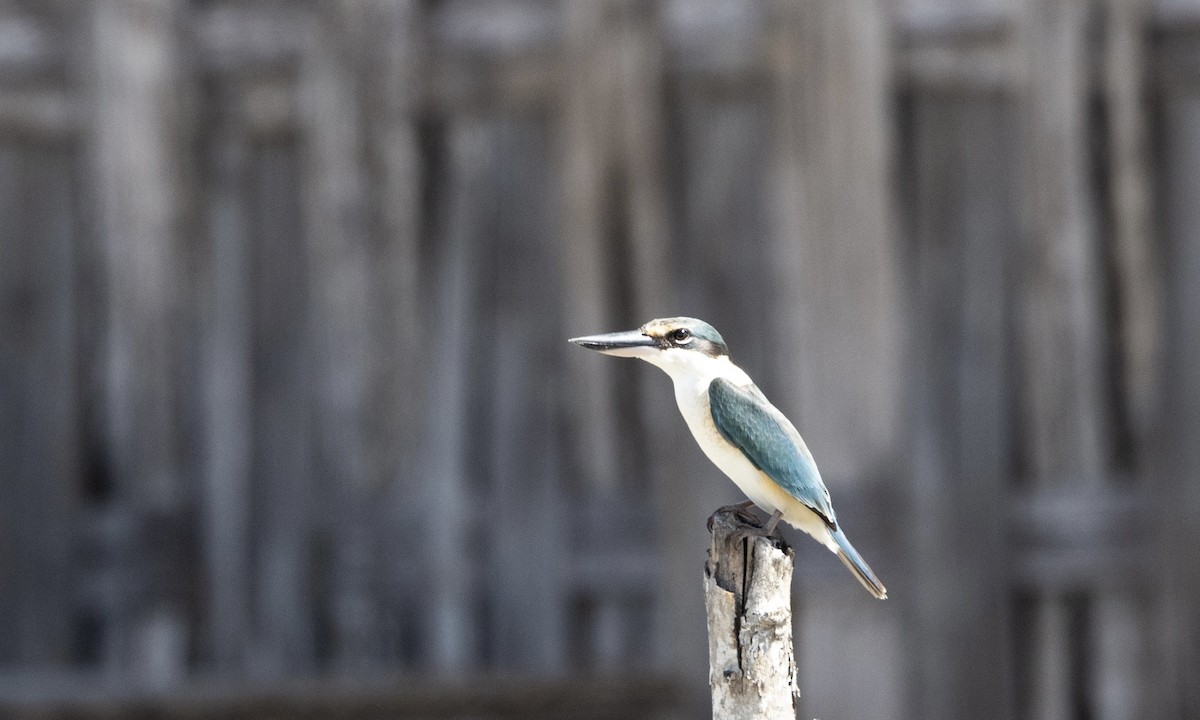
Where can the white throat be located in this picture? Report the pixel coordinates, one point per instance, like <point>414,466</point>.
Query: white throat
<point>695,370</point>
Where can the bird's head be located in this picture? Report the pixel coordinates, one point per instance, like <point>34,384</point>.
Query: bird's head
<point>667,343</point>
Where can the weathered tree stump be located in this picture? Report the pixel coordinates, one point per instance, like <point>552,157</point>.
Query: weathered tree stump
<point>747,594</point>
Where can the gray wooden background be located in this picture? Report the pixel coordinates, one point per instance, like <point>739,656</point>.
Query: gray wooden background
<point>285,392</point>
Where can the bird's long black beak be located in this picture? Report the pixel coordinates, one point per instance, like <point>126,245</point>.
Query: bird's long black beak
<point>622,344</point>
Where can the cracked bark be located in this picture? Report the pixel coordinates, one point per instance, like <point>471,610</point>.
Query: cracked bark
<point>747,595</point>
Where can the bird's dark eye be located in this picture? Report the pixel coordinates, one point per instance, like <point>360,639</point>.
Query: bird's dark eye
<point>682,336</point>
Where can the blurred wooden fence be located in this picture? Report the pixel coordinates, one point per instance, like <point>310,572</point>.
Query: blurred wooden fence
<point>284,288</point>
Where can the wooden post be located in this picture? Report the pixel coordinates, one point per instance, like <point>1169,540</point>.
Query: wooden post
<point>748,598</point>
<point>137,141</point>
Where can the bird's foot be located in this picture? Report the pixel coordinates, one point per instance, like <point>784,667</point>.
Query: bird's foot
<point>751,525</point>
<point>756,529</point>
<point>742,510</point>
<point>773,523</point>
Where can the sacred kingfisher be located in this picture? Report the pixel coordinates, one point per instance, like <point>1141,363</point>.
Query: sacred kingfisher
<point>739,430</point>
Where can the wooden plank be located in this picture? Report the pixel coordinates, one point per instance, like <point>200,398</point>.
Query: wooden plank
<point>1181,15</point>
<point>1179,452</point>
<point>1052,692</point>
<point>226,495</point>
<point>47,114</point>
<point>339,270</point>
<point>233,37</point>
<point>282,418</point>
<point>1128,629</point>
<point>723,37</point>
<point>528,560</point>
<point>1060,317</point>
<point>1138,287</point>
<point>1064,410</point>
<point>613,211</point>
<point>464,85</point>
<point>725,206</point>
<point>11,370</point>
<point>621,697</point>
<point>395,57</point>
<point>134,73</point>
<point>1069,540</point>
<point>978,56</point>
<point>637,61</point>
<point>486,27</point>
<point>951,16</point>
<point>53,211</point>
<point>1127,651</point>
<point>135,144</point>
<point>587,258</point>
<point>963,182</point>
<point>39,447</point>
<point>30,48</point>
<point>832,236</point>
<point>450,568</point>
<point>632,56</point>
<point>640,84</point>
<point>834,322</point>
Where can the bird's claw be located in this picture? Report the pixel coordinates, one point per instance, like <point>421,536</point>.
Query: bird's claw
<point>753,527</point>
<point>756,529</point>
<point>742,512</point>
<point>746,533</point>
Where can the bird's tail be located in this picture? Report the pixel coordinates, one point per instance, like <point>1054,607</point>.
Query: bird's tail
<point>854,562</point>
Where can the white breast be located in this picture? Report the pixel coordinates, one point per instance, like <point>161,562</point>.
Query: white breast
<point>693,405</point>
<point>691,374</point>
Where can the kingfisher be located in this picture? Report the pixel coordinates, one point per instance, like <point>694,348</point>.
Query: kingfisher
<point>739,430</point>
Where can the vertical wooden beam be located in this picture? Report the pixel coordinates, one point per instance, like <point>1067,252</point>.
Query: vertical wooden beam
<point>1138,286</point>
<point>1051,689</point>
<point>449,565</point>
<point>963,183</point>
<point>725,145</point>
<point>394,160</point>
<point>340,273</point>
<point>95,478</point>
<point>836,316</point>
<point>834,247</point>
<point>39,449</point>
<point>136,143</point>
<point>615,276</point>
<point>1127,645</point>
<point>1060,329</point>
<point>1127,625</point>
<point>398,398</point>
<point>1060,311</point>
<point>1180,413</point>
<point>258,512</point>
<point>527,559</point>
<point>587,144</point>
<point>284,483</point>
<point>595,269</point>
<point>639,68</point>
<point>615,209</point>
<point>225,520</point>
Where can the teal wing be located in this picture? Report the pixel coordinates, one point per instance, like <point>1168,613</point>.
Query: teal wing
<point>745,418</point>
